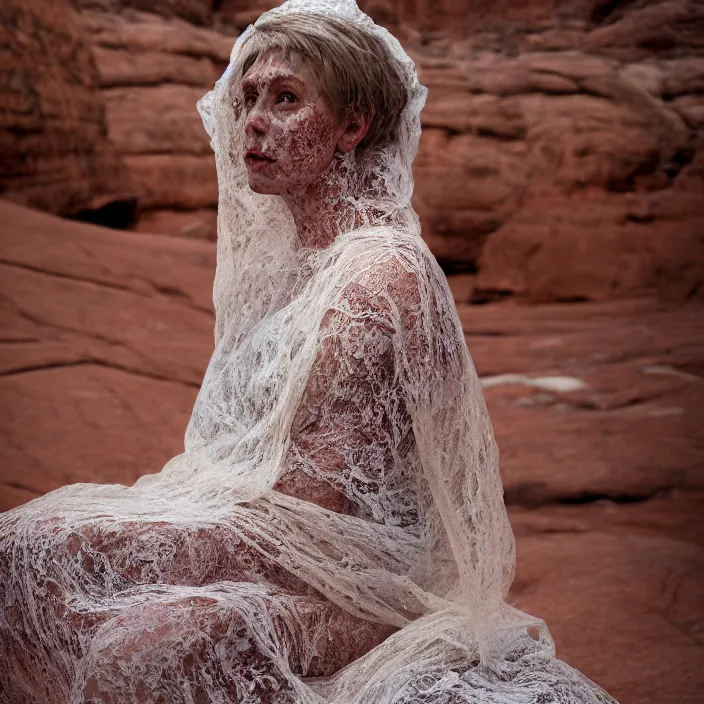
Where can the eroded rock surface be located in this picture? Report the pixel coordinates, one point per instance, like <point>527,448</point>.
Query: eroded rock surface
<point>562,149</point>
<point>561,160</point>
<point>55,152</point>
<point>597,408</point>
<point>106,336</point>
<point>153,67</point>
<point>593,399</point>
<point>620,588</point>
<point>562,156</point>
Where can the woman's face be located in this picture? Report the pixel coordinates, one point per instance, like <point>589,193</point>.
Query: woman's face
<point>291,129</point>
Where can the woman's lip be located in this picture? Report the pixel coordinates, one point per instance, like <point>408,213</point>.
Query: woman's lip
<point>258,156</point>
<point>254,163</point>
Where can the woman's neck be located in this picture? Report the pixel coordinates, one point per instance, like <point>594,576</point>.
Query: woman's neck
<point>321,211</point>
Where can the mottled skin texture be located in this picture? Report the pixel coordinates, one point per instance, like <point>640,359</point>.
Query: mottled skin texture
<point>292,123</point>
<point>289,120</point>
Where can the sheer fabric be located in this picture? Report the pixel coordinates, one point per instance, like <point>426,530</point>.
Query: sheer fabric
<point>339,485</point>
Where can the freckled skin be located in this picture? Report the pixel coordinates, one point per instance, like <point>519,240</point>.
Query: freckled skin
<point>290,120</point>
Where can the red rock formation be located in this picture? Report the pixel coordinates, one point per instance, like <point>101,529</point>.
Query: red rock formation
<point>106,338</point>
<point>152,69</point>
<point>237,14</point>
<point>607,401</point>
<point>562,149</point>
<point>562,159</point>
<point>53,141</point>
<point>196,11</point>
<point>620,587</point>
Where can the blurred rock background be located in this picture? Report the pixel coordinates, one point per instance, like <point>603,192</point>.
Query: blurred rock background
<point>560,182</point>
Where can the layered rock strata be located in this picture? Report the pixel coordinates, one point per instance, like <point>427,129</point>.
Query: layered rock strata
<point>153,68</point>
<point>55,151</point>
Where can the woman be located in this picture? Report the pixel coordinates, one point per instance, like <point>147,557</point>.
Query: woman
<point>335,529</point>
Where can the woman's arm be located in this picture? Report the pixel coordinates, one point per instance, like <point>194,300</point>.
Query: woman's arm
<point>351,434</point>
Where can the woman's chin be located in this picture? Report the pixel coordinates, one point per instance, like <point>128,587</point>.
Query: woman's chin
<point>263,186</point>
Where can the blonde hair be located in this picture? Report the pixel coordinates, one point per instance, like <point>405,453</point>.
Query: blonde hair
<point>354,70</point>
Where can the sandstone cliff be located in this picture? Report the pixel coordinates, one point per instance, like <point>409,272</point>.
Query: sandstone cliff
<point>55,153</point>
<point>561,157</point>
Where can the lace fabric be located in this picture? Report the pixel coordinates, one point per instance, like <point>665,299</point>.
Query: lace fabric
<point>335,529</point>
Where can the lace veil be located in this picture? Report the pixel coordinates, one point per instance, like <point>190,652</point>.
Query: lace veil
<point>269,289</point>
<point>447,570</point>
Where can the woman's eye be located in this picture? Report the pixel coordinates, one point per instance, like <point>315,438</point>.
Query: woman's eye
<point>287,97</point>
<point>250,99</point>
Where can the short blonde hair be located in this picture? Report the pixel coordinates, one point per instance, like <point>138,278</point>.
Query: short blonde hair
<point>354,70</point>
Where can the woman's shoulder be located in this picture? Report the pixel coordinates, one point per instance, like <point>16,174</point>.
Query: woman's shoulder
<point>385,260</point>
<point>385,248</point>
<point>385,274</point>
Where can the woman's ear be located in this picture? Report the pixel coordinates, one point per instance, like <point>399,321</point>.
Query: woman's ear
<point>356,128</point>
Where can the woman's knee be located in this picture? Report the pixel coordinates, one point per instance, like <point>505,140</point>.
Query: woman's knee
<point>193,642</point>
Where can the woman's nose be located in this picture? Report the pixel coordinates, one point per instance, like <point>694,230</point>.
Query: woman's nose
<point>256,121</point>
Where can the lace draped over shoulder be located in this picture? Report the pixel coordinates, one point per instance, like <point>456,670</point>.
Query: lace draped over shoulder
<point>334,531</point>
